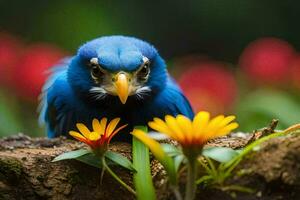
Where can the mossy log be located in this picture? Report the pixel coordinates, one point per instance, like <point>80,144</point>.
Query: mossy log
<point>26,171</point>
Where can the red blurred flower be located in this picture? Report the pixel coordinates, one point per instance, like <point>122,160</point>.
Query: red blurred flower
<point>295,71</point>
<point>30,73</point>
<point>209,87</point>
<point>267,60</point>
<point>10,50</point>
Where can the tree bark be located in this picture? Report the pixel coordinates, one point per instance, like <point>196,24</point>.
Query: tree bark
<point>26,171</point>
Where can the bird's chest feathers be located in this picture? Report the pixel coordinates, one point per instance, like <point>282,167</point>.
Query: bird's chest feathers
<point>131,113</point>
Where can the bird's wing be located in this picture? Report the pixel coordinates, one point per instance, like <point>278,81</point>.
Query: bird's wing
<point>49,106</point>
<point>172,101</point>
<point>184,107</point>
<point>180,102</point>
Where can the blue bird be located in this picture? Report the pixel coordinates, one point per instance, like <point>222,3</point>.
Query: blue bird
<point>114,76</point>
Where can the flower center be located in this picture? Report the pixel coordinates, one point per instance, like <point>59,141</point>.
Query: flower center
<point>94,136</point>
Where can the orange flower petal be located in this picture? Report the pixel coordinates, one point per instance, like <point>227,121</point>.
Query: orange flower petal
<point>115,132</point>
<point>111,126</point>
<point>214,123</point>
<point>185,125</point>
<point>174,127</point>
<point>83,130</point>
<point>160,126</point>
<point>97,127</point>
<point>227,129</point>
<point>227,120</point>
<point>200,123</point>
<point>153,145</point>
<point>78,136</point>
<point>103,123</point>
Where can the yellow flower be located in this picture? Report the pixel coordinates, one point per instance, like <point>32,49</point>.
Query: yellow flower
<point>100,137</point>
<point>196,132</point>
<point>158,152</point>
<point>151,143</point>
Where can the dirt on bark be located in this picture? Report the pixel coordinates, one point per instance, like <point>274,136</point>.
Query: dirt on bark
<point>26,171</point>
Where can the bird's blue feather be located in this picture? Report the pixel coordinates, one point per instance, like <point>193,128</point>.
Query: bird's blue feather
<point>66,96</point>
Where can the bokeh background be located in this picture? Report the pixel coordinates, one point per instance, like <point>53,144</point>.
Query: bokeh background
<point>236,57</point>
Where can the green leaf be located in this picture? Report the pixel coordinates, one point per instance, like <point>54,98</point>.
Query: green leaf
<point>120,160</point>
<point>220,154</point>
<point>204,178</point>
<point>159,153</point>
<point>141,162</point>
<point>71,155</point>
<point>238,188</point>
<point>177,161</point>
<point>91,159</point>
<point>256,109</point>
<point>171,150</point>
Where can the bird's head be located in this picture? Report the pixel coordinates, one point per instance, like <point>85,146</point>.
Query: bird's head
<point>117,66</point>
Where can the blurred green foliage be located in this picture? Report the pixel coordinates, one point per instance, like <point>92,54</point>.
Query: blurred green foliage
<point>9,119</point>
<point>218,28</point>
<point>18,116</point>
<point>258,108</point>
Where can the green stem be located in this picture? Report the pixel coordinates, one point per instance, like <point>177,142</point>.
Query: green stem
<point>176,192</point>
<point>116,177</point>
<point>190,189</point>
<point>237,188</point>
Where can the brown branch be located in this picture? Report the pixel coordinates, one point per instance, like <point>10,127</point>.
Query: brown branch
<point>26,170</point>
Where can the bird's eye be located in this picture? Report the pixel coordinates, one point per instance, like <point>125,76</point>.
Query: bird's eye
<point>96,72</point>
<point>144,71</point>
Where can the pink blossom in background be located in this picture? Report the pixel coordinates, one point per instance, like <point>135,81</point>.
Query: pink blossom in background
<point>267,60</point>
<point>209,86</point>
<point>10,51</point>
<point>31,74</point>
<point>295,72</point>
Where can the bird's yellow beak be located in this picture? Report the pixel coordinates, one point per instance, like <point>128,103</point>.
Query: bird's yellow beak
<point>121,83</point>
